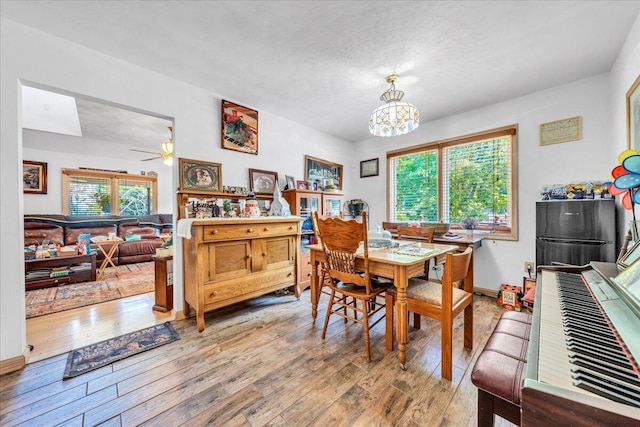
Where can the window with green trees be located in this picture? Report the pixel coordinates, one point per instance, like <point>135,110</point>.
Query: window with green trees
<point>472,176</point>
<point>91,192</point>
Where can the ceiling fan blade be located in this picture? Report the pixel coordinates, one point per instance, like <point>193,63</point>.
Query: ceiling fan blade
<point>151,158</point>
<point>144,151</point>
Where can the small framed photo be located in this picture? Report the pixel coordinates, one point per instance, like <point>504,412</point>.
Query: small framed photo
<point>302,185</point>
<point>200,176</point>
<point>239,128</point>
<point>34,177</point>
<point>369,168</point>
<point>263,182</point>
<point>632,255</point>
<point>291,182</point>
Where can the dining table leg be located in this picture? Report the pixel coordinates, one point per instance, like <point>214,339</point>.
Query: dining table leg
<point>402,334</point>
<point>314,285</point>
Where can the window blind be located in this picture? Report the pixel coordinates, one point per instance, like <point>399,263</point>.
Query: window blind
<point>89,195</point>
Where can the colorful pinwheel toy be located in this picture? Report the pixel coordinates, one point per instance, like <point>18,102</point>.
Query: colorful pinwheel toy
<point>626,179</point>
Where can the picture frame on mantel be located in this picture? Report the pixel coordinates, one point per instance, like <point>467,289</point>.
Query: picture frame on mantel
<point>239,128</point>
<point>263,182</point>
<point>318,171</point>
<point>199,176</point>
<point>34,177</point>
<point>633,115</point>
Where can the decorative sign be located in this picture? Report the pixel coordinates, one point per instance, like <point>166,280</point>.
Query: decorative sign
<point>564,130</point>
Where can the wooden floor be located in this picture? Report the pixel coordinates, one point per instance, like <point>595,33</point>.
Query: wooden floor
<point>259,363</point>
<point>88,325</point>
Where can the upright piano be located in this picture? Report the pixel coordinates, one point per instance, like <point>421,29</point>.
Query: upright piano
<point>584,348</point>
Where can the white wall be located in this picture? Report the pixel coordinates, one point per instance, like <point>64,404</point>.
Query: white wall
<point>30,56</point>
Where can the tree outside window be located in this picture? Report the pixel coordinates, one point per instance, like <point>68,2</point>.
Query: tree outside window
<point>476,173</point>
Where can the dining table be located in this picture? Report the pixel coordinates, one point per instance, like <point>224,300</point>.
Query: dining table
<point>399,262</point>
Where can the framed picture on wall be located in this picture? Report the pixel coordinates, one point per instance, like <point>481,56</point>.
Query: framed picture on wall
<point>369,168</point>
<point>34,177</point>
<point>239,128</point>
<point>317,171</point>
<point>199,176</point>
<point>633,115</point>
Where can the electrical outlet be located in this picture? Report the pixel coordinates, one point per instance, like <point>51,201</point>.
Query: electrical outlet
<point>529,267</point>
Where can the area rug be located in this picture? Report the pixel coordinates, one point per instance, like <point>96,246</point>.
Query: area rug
<point>134,279</point>
<point>97,355</point>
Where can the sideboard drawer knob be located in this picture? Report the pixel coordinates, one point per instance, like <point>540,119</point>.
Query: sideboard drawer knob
<point>250,230</point>
<point>266,229</point>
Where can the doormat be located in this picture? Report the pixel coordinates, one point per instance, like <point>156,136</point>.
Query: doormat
<point>97,355</point>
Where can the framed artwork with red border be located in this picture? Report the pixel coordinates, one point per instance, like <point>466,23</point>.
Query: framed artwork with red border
<point>34,177</point>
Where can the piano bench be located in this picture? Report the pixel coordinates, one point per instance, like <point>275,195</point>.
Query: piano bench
<point>500,369</point>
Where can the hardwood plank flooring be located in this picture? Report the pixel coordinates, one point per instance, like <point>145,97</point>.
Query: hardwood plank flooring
<point>257,363</point>
<point>88,325</point>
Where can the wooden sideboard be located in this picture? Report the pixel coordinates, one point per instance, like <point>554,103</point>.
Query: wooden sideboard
<point>228,260</point>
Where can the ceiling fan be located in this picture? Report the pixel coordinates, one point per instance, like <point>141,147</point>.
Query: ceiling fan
<point>167,150</point>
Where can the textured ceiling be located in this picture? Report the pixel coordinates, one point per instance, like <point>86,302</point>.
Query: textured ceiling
<point>323,63</point>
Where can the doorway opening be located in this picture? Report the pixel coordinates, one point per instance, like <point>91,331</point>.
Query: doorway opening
<point>64,130</point>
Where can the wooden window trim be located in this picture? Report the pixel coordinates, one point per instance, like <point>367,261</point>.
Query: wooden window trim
<point>115,176</point>
<point>496,233</point>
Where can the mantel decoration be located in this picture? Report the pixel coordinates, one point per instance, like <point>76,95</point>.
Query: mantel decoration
<point>200,176</point>
<point>34,177</point>
<point>394,117</point>
<point>263,182</point>
<point>239,128</point>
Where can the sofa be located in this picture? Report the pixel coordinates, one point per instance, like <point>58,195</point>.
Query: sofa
<point>65,229</point>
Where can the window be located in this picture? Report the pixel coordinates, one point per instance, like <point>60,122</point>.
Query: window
<point>91,192</point>
<point>471,176</point>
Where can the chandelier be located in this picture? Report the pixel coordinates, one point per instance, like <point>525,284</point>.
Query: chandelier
<point>394,117</point>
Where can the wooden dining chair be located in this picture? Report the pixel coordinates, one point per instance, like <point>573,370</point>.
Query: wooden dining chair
<point>352,290</point>
<point>442,302</point>
<point>323,270</point>
<point>420,234</point>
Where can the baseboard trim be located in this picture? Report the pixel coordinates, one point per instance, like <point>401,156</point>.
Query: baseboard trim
<point>493,293</point>
<point>15,363</point>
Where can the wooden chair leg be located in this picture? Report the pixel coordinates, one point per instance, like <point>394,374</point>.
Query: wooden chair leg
<point>416,320</point>
<point>468,326</point>
<point>447,343</point>
<point>365,325</point>
<point>389,310</point>
<point>326,317</point>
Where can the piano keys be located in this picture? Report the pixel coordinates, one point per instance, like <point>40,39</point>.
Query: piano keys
<point>584,351</point>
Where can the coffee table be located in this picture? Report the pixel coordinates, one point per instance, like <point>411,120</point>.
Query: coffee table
<point>88,275</point>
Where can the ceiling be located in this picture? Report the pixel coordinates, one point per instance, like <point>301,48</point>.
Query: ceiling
<point>323,63</point>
